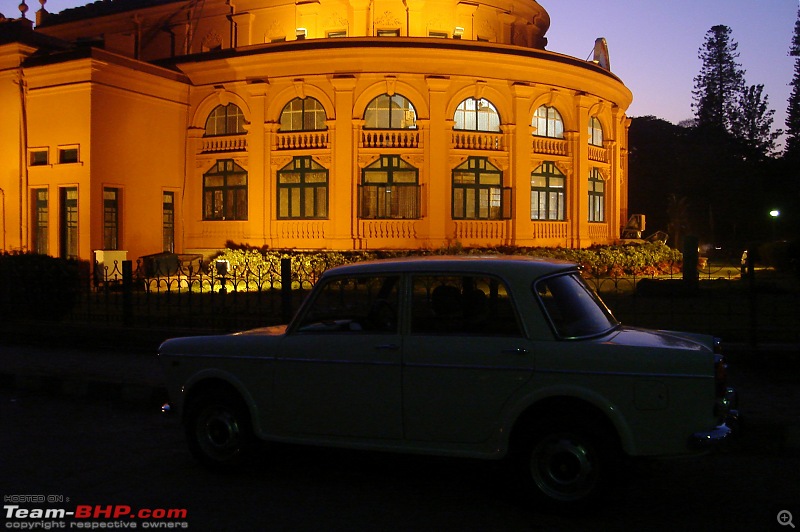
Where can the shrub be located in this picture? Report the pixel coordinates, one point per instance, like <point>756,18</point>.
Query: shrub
<point>36,286</point>
<point>253,264</point>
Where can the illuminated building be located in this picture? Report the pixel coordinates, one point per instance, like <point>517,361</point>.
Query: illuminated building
<point>331,124</point>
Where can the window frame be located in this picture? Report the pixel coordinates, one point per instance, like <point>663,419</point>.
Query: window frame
<point>34,153</point>
<point>303,165</point>
<point>461,198</point>
<point>597,198</point>
<point>388,164</point>
<point>40,220</point>
<point>596,136</point>
<point>553,123</point>
<point>237,117</point>
<point>385,113</point>
<point>463,116</point>
<point>111,217</point>
<point>549,172</point>
<point>168,221</point>
<point>227,195</point>
<point>310,115</point>
<point>69,154</point>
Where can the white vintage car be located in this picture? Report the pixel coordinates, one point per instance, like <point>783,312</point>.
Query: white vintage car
<point>484,357</point>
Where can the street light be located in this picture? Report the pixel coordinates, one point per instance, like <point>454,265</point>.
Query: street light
<point>774,213</point>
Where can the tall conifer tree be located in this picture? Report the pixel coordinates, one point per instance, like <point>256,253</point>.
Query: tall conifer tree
<point>752,124</point>
<point>792,147</point>
<point>718,86</point>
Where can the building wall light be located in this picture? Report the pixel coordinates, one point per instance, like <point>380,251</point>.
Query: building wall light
<point>300,33</point>
<point>458,32</point>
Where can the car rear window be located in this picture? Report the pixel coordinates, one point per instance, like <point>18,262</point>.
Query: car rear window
<point>573,309</point>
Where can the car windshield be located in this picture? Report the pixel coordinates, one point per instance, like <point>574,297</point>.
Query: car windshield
<point>573,308</point>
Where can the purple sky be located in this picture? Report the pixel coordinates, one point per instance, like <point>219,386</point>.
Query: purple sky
<point>653,44</point>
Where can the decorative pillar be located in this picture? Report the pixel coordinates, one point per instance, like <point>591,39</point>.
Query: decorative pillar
<point>437,161</point>
<point>521,167</point>
<point>343,207</point>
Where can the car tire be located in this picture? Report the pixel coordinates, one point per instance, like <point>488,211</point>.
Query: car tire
<point>568,463</point>
<point>219,431</point>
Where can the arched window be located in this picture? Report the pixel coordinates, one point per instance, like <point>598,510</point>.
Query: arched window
<point>389,189</point>
<point>390,112</point>
<point>595,132</point>
<point>476,115</point>
<point>547,122</point>
<point>597,196</point>
<point>225,192</point>
<point>303,114</point>
<point>303,189</point>
<point>548,186</point>
<point>225,120</point>
<point>478,192</point>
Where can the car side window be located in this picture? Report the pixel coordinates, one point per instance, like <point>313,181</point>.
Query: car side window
<point>474,305</point>
<point>359,304</point>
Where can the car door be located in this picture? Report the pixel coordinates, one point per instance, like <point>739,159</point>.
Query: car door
<point>339,370</point>
<point>465,355</point>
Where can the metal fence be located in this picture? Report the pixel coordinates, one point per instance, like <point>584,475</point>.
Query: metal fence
<point>186,292</point>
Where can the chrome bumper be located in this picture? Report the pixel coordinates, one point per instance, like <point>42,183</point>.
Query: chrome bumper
<point>727,409</point>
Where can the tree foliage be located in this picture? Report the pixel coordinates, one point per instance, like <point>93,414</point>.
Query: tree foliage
<point>792,147</point>
<point>752,124</point>
<point>720,81</point>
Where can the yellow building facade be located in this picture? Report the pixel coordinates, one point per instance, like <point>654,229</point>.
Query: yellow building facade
<point>361,124</point>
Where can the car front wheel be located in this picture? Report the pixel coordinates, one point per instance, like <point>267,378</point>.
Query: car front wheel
<point>219,431</point>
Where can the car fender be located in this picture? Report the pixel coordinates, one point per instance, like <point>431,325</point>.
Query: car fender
<point>216,374</point>
<point>528,400</point>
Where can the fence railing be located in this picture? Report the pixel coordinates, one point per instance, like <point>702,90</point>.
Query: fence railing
<point>758,306</point>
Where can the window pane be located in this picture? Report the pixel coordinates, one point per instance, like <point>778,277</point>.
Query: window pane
<point>352,306</point>
<point>237,179</point>
<point>214,181</point>
<point>288,177</point>
<point>469,201</point>
<point>490,179</point>
<point>472,305</point>
<point>458,203</point>
<point>461,178</point>
<point>321,196</point>
<point>316,177</point>
<point>404,177</point>
<point>376,177</point>
<point>538,181</point>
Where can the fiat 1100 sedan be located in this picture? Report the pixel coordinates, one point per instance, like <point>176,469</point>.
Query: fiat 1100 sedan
<point>484,357</point>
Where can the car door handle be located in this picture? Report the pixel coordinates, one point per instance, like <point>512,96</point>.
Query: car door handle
<point>517,351</point>
<point>387,347</point>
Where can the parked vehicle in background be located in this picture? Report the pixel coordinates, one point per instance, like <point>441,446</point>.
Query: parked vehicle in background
<point>487,357</point>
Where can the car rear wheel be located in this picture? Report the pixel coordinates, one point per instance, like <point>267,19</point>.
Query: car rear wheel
<point>219,431</point>
<point>568,465</point>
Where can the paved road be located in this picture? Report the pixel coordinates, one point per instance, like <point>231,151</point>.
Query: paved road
<point>103,450</point>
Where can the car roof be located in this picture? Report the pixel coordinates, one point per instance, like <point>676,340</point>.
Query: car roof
<point>497,264</point>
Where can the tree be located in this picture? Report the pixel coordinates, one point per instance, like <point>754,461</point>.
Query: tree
<point>792,148</point>
<point>720,82</point>
<point>678,213</point>
<point>752,124</point>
